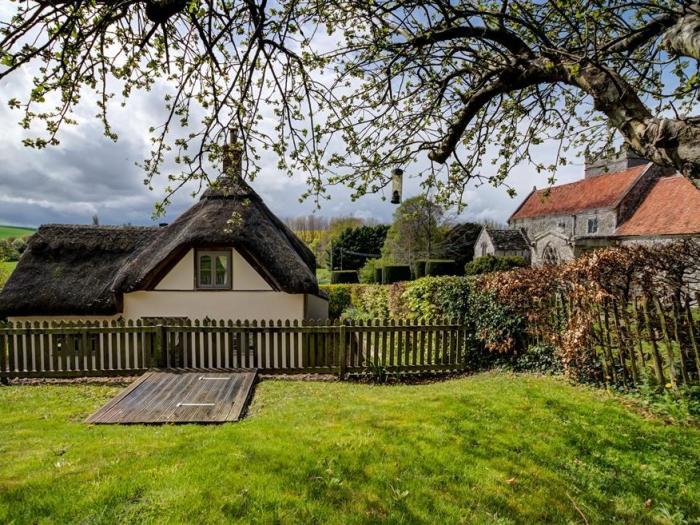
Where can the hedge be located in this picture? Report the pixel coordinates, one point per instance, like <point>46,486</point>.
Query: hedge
<point>491,263</point>
<point>340,298</point>
<point>344,277</point>
<point>439,267</point>
<point>419,269</point>
<point>394,273</point>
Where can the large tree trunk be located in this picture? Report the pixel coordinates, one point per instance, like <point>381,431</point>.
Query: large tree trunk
<point>683,37</point>
<point>668,142</point>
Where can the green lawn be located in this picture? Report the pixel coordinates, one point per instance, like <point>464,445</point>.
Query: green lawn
<point>486,449</point>
<point>14,231</point>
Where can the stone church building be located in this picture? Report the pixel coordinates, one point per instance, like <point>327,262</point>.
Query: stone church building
<point>619,201</point>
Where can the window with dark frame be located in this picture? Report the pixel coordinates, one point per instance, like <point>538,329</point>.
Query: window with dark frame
<point>214,270</point>
<point>593,225</point>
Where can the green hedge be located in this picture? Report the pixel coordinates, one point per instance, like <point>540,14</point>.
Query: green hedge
<point>419,269</point>
<point>339,298</point>
<point>439,267</point>
<point>344,277</point>
<point>394,273</point>
<point>491,263</point>
<point>486,320</point>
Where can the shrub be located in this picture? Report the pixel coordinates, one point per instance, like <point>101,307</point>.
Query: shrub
<point>419,269</point>
<point>7,251</point>
<point>539,358</point>
<point>438,267</point>
<point>394,273</point>
<point>432,297</point>
<point>491,263</point>
<point>339,298</point>
<point>20,245</point>
<point>344,277</point>
<point>367,273</point>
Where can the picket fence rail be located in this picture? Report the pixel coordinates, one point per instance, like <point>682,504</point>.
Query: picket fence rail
<point>74,349</point>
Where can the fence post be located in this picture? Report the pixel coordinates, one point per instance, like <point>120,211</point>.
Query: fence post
<point>159,355</point>
<point>341,352</point>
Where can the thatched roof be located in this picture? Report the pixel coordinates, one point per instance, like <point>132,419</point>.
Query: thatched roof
<point>231,215</point>
<point>84,270</point>
<point>508,240</point>
<point>69,269</point>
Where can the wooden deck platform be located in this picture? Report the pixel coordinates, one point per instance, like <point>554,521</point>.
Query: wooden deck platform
<point>180,397</point>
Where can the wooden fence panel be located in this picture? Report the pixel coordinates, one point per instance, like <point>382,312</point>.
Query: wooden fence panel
<point>116,347</point>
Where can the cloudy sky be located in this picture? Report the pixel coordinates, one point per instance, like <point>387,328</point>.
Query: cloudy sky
<point>88,174</point>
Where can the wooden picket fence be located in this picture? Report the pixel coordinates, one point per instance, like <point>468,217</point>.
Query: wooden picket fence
<point>647,338</point>
<point>72,349</point>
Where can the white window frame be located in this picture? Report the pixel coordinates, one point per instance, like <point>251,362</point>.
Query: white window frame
<point>214,254</point>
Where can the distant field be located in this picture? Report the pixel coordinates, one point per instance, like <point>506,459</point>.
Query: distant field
<point>14,231</point>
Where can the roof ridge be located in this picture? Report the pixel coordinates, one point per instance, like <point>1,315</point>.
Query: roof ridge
<point>97,226</point>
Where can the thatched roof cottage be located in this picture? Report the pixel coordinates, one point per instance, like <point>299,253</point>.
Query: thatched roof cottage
<point>227,257</point>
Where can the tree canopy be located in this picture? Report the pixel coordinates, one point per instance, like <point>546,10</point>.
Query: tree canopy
<point>345,90</point>
<point>355,246</point>
<point>416,232</point>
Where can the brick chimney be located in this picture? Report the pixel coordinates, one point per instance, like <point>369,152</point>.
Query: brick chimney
<point>233,157</point>
<point>622,160</point>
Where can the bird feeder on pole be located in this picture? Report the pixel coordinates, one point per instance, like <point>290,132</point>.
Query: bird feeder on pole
<point>396,185</point>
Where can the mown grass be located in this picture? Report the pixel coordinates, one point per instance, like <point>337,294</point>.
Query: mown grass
<point>15,231</point>
<point>486,449</point>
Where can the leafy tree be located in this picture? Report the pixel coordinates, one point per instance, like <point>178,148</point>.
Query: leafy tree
<point>453,79</point>
<point>458,243</point>
<point>416,231</point>
<point>321,245</point>
<point>354,246</point>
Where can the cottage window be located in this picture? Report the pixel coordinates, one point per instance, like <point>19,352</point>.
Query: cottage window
<point>593,225</point>
<point>483,249</point>
<point>214,270</point>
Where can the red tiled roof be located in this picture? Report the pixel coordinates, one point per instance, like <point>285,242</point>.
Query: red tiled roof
<point>601,191</point>
<point>671,207</point>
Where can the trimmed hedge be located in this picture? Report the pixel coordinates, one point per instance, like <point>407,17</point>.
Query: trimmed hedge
<point>340,298</point>
<point>394,273</point>
<point>440,267</point>
<point>344,277</point>
<point>491,263</point>
<point>419,269</point>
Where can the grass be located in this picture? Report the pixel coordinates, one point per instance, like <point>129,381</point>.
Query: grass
<point>486,449</point>
<point>15,231</point>
<point>6,268</point>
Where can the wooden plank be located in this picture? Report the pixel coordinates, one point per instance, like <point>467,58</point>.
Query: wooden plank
<point>111,403</point>
<point>240,402</point>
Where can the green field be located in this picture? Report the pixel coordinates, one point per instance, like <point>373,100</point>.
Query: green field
<point>6,268</point>
<point>15,231</point>
<point>491,448</point>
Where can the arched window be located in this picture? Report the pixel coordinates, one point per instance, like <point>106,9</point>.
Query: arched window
<point>549,255</point>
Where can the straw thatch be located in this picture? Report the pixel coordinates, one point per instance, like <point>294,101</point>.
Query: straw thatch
<point>230,215</point>
<point>68,269</point>
<point>84,270</point>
